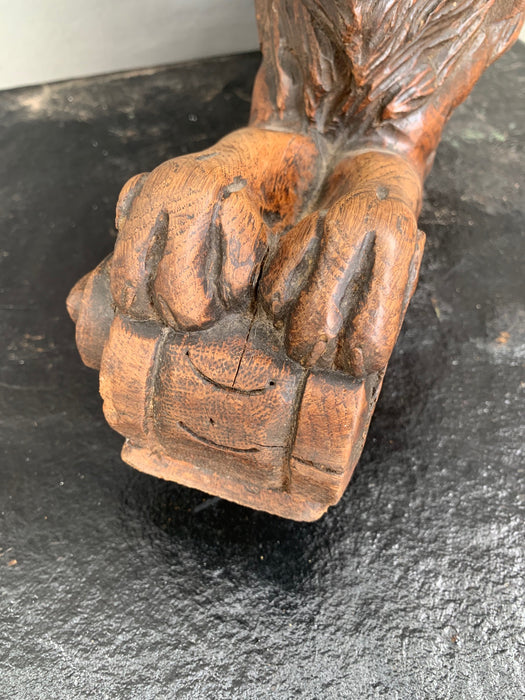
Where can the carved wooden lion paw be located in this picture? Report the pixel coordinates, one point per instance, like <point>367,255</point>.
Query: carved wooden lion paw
<point>244,320</point>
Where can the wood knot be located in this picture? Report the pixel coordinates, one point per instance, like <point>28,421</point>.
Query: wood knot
<point>382,192</point>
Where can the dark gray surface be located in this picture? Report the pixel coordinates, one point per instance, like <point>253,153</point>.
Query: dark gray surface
<point>125,586</point>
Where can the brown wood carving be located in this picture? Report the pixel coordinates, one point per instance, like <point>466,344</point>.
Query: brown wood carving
<point>244,322</point>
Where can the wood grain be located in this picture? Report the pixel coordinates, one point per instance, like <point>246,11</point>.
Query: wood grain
<point>244,322</point>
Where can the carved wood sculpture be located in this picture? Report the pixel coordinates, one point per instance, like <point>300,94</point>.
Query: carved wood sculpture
<point>244,322</point>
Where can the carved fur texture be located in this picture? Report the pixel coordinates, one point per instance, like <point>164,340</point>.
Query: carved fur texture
<point>376,70</point>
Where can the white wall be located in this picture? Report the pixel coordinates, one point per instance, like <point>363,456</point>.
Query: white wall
<point>46,40</point>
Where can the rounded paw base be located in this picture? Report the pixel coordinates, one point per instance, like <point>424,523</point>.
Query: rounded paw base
<point>224,409</point>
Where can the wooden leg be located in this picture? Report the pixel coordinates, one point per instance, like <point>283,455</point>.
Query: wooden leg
<point>244,322</point>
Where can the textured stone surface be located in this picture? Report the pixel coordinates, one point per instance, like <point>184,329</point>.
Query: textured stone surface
<point>116,585</point>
